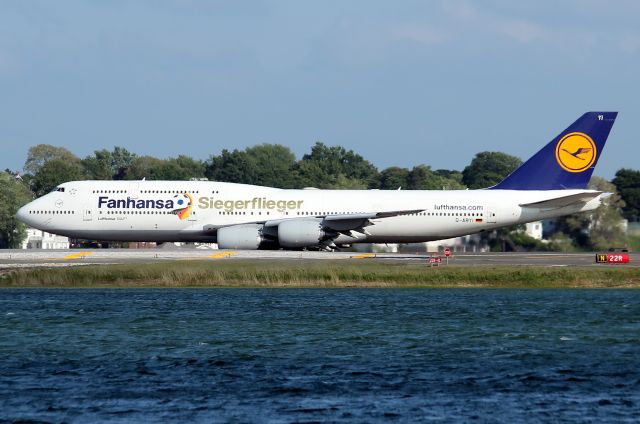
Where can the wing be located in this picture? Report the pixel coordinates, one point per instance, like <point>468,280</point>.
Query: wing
<point>583,150</point>
<point>344,223</point>
<point>562,201</point>
<point>341,223</point>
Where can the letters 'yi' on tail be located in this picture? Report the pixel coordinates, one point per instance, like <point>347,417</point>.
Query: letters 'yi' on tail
<point>567,162</point>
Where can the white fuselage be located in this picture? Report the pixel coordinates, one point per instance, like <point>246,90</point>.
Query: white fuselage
<point>149,210</point>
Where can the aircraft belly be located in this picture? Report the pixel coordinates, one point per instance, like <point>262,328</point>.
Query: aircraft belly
<point>138,235</point>
<point>418,229</point>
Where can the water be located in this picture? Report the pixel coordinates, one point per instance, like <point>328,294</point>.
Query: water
<point>244,355</point>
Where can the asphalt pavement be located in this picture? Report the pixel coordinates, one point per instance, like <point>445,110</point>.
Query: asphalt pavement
<point>10,259</point>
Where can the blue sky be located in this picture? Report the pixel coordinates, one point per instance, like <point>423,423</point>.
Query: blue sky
<point>402,82</point>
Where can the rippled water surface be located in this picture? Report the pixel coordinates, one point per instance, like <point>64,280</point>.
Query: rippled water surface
<point>245,355</point>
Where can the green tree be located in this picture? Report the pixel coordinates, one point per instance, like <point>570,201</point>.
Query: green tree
<point>421,177</point>
<point>106,165</point>
<point>575,228</point>
<point>524,242</point>
<point>55,172</point>
<point>488,169</point>
<point>561,242</point>
<point>13,195</point>
<point>599,229</point>
<point>606,222</point>
<point>453,178</point>
<point>98,166</point>
<point>627,182</point>
<point>356,167</point>
<point>342,182</point>
<point>142,167</point>
<point>181,168</point>
<point>43,153</point>
<point>121,161</point>
<point>147,167</point>
<point>231,166</point>
<point>312,174</point>
<point>336,167</point>
<point>272,165</point>
<point>393,178</point>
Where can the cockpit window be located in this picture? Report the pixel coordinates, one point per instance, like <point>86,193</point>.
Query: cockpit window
<point>61,189</point>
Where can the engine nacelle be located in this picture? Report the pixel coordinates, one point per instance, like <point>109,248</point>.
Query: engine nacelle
<point>243,237</point>
<point>300,233</point>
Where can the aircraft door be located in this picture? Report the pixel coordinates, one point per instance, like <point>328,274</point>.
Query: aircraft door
<point>134,190</point>
<point>193,217</point>
<point>491,216</point>
<point>87,213</point>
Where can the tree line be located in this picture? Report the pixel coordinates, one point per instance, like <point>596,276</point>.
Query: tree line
<point>329,167</point>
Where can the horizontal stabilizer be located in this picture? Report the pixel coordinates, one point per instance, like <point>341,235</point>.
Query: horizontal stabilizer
<point>560,202</point>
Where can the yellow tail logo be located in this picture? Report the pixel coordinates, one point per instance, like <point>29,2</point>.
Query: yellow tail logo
<point>576,152</point>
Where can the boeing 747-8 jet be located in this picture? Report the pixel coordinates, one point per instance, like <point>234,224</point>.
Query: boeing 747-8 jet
<point>550,184</point>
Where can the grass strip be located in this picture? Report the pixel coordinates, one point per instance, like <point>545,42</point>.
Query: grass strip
<point>301,273</point>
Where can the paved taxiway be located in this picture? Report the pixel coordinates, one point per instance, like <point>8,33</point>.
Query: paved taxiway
<point>10,259</point>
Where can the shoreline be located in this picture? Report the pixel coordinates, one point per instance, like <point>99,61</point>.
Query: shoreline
<point>312,274</point>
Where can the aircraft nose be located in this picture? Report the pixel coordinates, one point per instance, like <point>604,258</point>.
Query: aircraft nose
<point>23,214</point>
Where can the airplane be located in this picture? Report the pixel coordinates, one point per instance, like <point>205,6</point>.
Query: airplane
<point>550,184</point>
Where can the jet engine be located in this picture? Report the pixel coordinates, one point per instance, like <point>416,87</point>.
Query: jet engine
<point>244,237</point>
<point>299,233</point>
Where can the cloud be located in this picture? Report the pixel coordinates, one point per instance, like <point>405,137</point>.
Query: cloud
<point>460,20</point>
<point>460,10</point>
<point>422,34</point>
<point>630,43</point>
<point>522,23</point>
<point>482,21</point>
<point>8,63</point>
<point>522,31</point>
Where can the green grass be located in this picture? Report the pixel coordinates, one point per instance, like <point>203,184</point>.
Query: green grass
<point>297,273</point>
<point>633,243</point>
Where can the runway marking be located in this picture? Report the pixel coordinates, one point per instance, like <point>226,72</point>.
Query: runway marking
<point>78,255</point>
<point>364,256</point>
<point>222,255</point>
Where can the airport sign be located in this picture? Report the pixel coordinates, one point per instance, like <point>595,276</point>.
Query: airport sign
<point>612,258</point>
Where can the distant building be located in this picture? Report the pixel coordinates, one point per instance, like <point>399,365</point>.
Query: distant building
<point>142,245</point>
<point>633,228</point>
<point>624,226</point>
<point>38,239</point>
<point>534,229</point>
<point>469,243</point>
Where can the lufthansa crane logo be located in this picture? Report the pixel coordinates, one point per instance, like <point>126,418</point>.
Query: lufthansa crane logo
<point>576,152</point>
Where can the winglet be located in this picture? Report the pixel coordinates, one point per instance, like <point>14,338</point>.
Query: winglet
<point>567,162</point>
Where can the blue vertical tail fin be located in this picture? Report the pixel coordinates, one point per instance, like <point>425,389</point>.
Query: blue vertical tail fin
<point>567,162</point>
